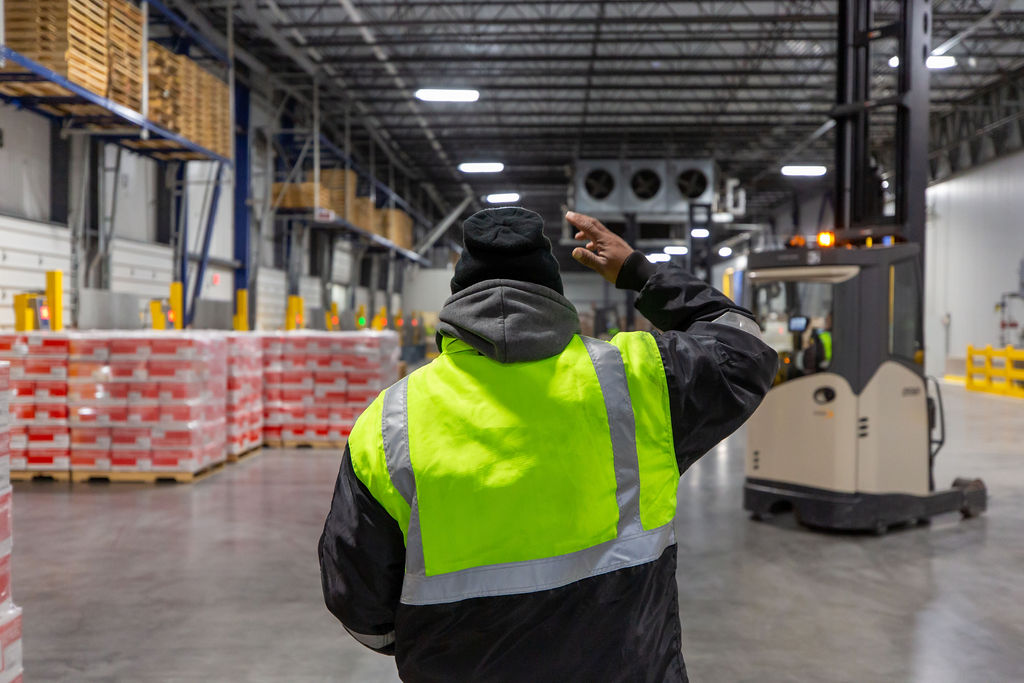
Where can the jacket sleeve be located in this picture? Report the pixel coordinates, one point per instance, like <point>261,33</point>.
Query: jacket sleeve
<point>718,368</point>
<point>362,562</point>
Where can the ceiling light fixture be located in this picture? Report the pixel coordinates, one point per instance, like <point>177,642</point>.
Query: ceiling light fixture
<point>934,61</point>
<point>700,233</point>
<point>804,171</point>
<point>482,167</point>
<point>447,95</point>
<point>725,252</point>
<point>503,198</point>
<point>722,217</point>
<point>940,62</point>
<point>677,250</point>
<point>658,258</point>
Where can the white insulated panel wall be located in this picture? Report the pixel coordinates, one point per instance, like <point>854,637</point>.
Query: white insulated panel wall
<point>24,164</point>
<point>140,268</point>
<point>974,245</point>
<point>27,250</point>
<point>271,298</point>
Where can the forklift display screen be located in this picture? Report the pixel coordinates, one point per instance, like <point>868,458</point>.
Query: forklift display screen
<point>798,323</point>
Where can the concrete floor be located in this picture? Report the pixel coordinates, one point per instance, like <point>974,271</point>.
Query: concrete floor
<point>219,581</point>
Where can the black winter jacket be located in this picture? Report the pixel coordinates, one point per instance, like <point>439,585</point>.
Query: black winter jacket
<point>619,626</point>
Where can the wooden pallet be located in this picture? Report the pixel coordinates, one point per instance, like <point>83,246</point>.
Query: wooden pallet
<point>144,477</point>
<point>31,475</point>
<point>245,455</point>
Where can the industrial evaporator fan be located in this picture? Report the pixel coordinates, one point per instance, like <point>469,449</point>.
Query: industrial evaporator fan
<point>599,183</point>
<point>692,183</point>
<point>645,184</point>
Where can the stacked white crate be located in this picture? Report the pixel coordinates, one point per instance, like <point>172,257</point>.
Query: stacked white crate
<point>10,614</point>
<point>147,401</point>
<point>245,393</point>
<point>38,400</point>
<point>371,365</point>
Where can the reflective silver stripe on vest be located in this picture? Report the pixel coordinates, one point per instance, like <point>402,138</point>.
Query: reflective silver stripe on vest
<point>611,375</point>
<point>631,547</point>
<point>514,578</point>
<point>744,323</point>
<point>376,642</point>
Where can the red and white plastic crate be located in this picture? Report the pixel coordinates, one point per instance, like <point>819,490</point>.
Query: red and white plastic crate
<point>10,615</point>
<point>147,401</point>
<point>317,383</point>
<point>244,393</point>
<point>37,393</point>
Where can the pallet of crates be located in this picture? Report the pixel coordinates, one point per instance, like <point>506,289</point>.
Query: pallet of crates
<point>296,384</point>
<point>244,395</point>
<point>272,348</point>
<point>341,188</point>
<point>95,402</point>
<point>371,364</point>
<point>40,437</point>
<point>66,36</point>
<point>396,226</point>
<point>306,195</point>
<point>326,416</point>
<point>10,614</point>
<point>124,48</point>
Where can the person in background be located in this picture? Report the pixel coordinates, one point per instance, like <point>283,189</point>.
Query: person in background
<point>505,513</point>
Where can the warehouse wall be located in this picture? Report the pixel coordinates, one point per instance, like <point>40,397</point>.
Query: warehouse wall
<point>27,250</point>
<point>24,164</point>
<point>135,217</point>
<point>974,245</point>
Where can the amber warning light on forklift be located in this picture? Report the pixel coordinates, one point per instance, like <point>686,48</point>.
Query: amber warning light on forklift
<point>826,239</point>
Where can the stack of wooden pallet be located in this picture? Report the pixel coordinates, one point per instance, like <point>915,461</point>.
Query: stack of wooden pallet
<point>68,37</point>
<point>396,225</point>
<point>301,195</point>
<point>164,87</point>
<point>212,113</point>
<point>124,46</point>
<point>189,123</point>
<point>341,186</point>
<point>364,215</point>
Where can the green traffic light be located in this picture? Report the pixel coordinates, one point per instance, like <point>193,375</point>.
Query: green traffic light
<point>362,321</point>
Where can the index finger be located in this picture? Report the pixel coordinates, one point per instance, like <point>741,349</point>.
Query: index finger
<point>588,225</point>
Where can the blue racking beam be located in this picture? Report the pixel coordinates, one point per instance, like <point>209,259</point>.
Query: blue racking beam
<point>243,171</point>
<point>204,257</point>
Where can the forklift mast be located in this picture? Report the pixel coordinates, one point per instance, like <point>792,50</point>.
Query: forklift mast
<point>858,211</point>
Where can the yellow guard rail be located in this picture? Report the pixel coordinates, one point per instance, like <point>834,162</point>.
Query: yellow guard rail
<point>996,371</point>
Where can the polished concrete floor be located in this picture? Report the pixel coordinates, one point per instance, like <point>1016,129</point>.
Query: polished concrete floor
<point>219,581</point>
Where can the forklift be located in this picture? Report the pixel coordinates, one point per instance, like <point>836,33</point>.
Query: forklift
<point>848,436</point>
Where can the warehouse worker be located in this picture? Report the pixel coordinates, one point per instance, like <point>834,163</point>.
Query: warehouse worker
<point>505,513</point>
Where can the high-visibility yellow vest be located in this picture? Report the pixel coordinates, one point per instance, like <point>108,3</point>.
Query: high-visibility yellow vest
<point>521,477</point>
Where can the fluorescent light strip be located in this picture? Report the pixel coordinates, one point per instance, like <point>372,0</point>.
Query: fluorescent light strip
<point>676,250</point>
<point>802,171</point>
<point>482,167</point>
<point>658,258</point>
<point>447,95</point>
<point>725,252</point>
<point>503,198</point>
<point>700,233</point>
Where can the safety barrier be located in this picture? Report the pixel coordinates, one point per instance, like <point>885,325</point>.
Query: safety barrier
<point>996,371</point>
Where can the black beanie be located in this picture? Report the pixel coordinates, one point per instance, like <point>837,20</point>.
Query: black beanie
<point>506,244</point>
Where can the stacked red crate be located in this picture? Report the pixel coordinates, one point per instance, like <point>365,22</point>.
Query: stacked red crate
<point>40,438</point>
<point>317,383</point>
<point>272,348</point>
<point>143,401</point>
<point>10,614</point>
<point>245,393</point>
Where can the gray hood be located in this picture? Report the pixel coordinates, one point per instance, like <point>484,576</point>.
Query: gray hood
<point>510,321</point>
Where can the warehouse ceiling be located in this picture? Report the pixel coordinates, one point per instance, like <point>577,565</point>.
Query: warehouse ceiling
<point>746,83</point>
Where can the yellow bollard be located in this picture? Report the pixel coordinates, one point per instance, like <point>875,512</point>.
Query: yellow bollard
<point>295,317</point>
<point>156,314</point>
<point>242,310</point>
<point>177,305</point>
<point>23,318</point>
<point>55,298</point>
